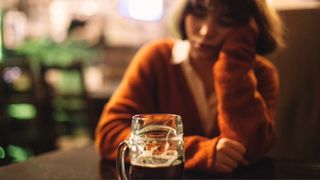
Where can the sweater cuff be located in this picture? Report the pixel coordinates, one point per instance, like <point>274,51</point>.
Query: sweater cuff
<point>204,157</point>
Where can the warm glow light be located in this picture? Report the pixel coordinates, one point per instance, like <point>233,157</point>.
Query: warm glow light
<point>294,4</point>
<point>88,8</point>
<point>269,1</point>
<point>14,28</point>
<point>63,11</point>
<point>59,18</point>
<point>147,10</point>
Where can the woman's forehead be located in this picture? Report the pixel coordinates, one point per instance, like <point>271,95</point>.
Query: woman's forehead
<point>209,4</point>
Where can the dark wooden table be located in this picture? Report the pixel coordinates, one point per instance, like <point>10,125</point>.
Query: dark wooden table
<point>84,163</point>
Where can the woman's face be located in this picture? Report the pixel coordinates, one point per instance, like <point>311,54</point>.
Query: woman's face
<point>206,32</point>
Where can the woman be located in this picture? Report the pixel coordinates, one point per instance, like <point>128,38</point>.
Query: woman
<point>215,78</point>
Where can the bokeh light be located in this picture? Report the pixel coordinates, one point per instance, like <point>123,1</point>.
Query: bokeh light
<point>147,10</point>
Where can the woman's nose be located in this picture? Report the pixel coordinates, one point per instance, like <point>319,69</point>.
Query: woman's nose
<point>204,29</point>
<point>208,28</point>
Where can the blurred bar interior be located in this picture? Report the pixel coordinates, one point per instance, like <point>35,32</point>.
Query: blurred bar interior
<point>61,60</point>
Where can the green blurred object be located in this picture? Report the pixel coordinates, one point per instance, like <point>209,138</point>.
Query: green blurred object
<point>18,154</point>
<point>70,83</point>
<point>2,153</point>
<point>22,111</point>
<point>70,103</point>
<point>61,116</point>
<point>52,53</point>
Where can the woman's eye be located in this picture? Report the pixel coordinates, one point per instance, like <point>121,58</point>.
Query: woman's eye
<point>227,22</point>
<point>200,13</point>
<point>199,10</point>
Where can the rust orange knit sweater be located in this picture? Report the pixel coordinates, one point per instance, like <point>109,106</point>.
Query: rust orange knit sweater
<point>246,87</point>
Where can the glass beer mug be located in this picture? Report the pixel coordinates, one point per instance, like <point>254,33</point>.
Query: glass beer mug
<point>156,148</point>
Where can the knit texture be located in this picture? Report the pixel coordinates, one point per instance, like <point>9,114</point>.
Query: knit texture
<point>246,87</point>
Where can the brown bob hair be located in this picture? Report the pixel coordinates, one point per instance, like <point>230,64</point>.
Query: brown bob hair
<point>267,19</point>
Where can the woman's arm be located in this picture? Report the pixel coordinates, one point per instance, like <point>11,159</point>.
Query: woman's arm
<point>243,112</point>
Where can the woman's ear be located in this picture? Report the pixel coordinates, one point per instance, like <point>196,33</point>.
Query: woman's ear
<point>254,26</point>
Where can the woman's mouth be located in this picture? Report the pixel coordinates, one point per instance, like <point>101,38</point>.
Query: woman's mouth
<point>205,47</point>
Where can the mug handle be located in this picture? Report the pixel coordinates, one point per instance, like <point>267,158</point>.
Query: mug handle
<point>120,164</point>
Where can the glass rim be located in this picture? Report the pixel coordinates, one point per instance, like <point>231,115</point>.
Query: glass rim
<point>147,116</point>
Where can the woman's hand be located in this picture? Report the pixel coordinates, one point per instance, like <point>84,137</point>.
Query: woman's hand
<point>243,33</point>
<point>229,154</point>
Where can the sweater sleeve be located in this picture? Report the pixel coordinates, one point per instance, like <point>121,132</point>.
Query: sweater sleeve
<point>199,153</point>
<point>245,114</point>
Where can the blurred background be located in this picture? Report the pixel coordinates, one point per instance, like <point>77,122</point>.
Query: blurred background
<point>61,60</point>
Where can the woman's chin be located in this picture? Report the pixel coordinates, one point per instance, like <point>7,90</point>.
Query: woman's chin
<point>203,56</point>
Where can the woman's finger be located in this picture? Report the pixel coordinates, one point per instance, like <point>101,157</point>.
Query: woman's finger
<point>235,155</point>
<point>229,162</point>
<point>237,146</point>
<point>222,168</point>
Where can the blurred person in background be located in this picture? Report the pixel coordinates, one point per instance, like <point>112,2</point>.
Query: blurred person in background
<point>215,77</point>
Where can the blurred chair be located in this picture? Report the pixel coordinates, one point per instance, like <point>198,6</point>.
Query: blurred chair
<point>68,102</point>
<point>22,120</point>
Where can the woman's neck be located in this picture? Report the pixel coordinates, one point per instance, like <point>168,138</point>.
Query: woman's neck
<point>203,68</point>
